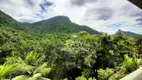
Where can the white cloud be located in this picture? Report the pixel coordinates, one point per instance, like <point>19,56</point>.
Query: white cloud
<point>110,12</point>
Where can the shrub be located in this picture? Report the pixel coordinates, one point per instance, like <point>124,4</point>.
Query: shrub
<point>105,74</point>
<point>80,78</point>
<point>117,76</point>
<point>129,64</point>
<point>83,78</point>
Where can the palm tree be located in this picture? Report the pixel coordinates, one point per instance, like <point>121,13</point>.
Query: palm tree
<point>32,68</point>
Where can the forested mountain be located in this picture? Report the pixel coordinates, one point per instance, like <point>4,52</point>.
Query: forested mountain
<point>6,19</point>
<point>53,25</point>
<point>61,24</point>
<point>128,33</point>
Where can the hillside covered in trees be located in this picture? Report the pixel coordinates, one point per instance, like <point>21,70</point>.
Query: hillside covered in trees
<point>58,49</point>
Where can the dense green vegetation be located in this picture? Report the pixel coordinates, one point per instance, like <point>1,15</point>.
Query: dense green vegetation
<point>64,50</point>
<point>59,56</point>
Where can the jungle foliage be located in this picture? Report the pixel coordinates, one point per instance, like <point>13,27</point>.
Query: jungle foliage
<point>59,49</point>
<point>80,56</point>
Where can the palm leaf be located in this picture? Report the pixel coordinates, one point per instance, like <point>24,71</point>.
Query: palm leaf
<point>21,77</point>
<point>6,69</point>
<point>43,69</point>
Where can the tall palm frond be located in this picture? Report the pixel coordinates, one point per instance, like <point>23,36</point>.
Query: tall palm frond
<point>34,58</point>
<point>32,66</point>
<point>6,69</point>
<point>34,77</point>
<point>43,69</point>
<point>21,77</point>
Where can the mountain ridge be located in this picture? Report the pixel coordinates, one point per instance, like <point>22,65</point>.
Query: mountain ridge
<point>6,19</point>
<point>62,24</point>
<point>128,33</point>
<point>51,25</point>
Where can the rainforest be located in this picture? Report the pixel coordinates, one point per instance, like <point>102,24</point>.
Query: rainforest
<point>59,49</point>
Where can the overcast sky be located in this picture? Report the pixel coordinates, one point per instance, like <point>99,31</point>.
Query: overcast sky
<point>102,15</point>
